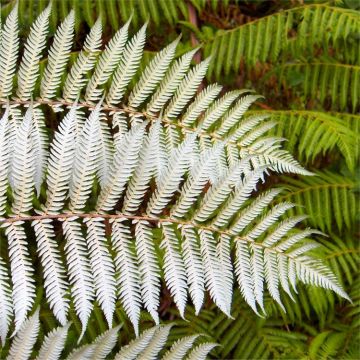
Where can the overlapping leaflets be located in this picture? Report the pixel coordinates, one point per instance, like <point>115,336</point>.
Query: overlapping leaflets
<point>186,164</point>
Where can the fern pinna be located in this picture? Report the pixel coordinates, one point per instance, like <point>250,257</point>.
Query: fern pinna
<point>146,346</point>
<point>137,185</point>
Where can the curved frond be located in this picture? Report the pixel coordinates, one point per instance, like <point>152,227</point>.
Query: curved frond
<point>152,75</point>
<point>201,351</point>
<point>128,271</point>
<point>127,67</point>
<point>156,344</point>
<point>61,160</point>
<point>23,166</point>
<point>105,342</point>
<point>125,160</point>
<point>85,162</point>
<point>180,348</point>
<point>327,198</point>
<point>55,282</point>
<point>22,273</point>
<point>171,81</point>
<point>80,275</point>
<point>193,266</point>
<point>187,89</point>
<point>136,346</point>
<point>148,268</point>
<point>102,266</point>
<point>174,270</point>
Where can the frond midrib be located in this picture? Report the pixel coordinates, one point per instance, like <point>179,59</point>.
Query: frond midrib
<point>151,219</point>
<point>313,115</point>
<point>131,112</point>
<point>340,253</point>
<point>314,187</point>
<point>322,63</point>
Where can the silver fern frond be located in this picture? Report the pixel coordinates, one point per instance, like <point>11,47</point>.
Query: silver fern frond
<point>4,158</point>
<point>79,271</point>
<point>139,184</point>
<point>53,344</point>
<point>108,61</point>
<point>127,67</point>
<point>9,52</point>
<point>55,281</point>
<point>84,63</point>
<point>6,305</point>
<point>171,82</point>
<point>59,54</point>
<point>29,66</point>
<point>149,345</point>
<point>22,344</point>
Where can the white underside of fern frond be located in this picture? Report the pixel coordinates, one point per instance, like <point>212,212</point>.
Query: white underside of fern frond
<point>190,170</point>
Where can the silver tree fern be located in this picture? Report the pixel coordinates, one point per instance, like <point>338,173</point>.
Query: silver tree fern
<point>147,346</point>
<point>125,161</point>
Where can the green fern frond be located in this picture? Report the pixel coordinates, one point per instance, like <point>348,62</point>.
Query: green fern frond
<point>245,336</point>
<point>328,198</point>
<point>334,82</point>
<point>343,255</point>
<point>158,11</point>
<point>313,133</point>
<point>326,345</point>
<point>264,39</point>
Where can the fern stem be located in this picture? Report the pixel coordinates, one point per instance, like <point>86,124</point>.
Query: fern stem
<point>150,219</point>
<point>193,38</point>
<point>132,113</point>
<point>336,65</point>
<point>312,187</point>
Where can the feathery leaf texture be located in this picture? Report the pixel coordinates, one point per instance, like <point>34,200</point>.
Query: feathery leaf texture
<point>149,345</point>
<point>248,336</point>
<point>9,49</point>
<point>113,12</point>
<point>6,307</point>
<point>320,133</point>
<point>190,170</point>
<point>29,66</point>
<point>333,81</point>
<point>58,56</point>
<point>327,198</point>
<point>296,31</point>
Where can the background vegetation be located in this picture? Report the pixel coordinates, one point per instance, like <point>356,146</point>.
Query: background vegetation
<point>303,56</point>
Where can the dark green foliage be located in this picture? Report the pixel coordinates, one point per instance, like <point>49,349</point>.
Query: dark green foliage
<point>328,198</point>
<point>113,12</point>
